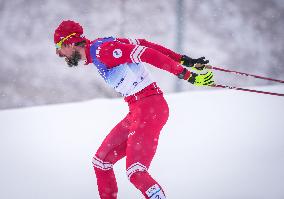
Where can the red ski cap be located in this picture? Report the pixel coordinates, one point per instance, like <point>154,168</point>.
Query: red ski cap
<point>68,32</point>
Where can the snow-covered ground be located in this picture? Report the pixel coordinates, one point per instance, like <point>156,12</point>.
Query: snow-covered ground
<point>217,144</point>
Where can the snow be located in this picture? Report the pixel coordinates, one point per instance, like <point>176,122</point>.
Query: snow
<point>244,38</point>
<point>217,144</point>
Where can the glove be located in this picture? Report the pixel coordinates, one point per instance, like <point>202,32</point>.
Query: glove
<point>201,77</point>
<point>189,62</point>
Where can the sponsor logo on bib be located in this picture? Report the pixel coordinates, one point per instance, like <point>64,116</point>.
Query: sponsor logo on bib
<point>117,53</point>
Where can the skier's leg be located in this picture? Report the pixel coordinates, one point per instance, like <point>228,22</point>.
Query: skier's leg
<point>151,115</point>
<point>111,150</point>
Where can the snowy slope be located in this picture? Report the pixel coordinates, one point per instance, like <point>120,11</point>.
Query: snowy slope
<point>216,145</point>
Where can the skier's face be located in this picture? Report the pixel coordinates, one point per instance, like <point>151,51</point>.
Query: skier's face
<point>72,56</point>
<point>65,51</point>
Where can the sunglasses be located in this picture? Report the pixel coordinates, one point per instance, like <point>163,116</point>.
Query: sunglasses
<point>58,45</point>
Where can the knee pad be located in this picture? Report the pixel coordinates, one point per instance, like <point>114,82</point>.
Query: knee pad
<point>136,167</point>
<point>100,164</point>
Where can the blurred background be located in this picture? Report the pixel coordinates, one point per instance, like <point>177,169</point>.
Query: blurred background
<point>246,36</point>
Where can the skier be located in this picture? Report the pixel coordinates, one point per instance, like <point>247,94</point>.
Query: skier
<point>122,63</point>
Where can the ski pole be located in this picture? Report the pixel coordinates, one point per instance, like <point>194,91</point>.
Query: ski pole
<point>245,89</point>
<point>245,74</point>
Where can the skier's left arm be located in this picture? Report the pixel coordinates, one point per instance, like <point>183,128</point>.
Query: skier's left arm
<point>199,76</point>
<point>116,53</point>
<point>143,42</point>
<point>182,59</point>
